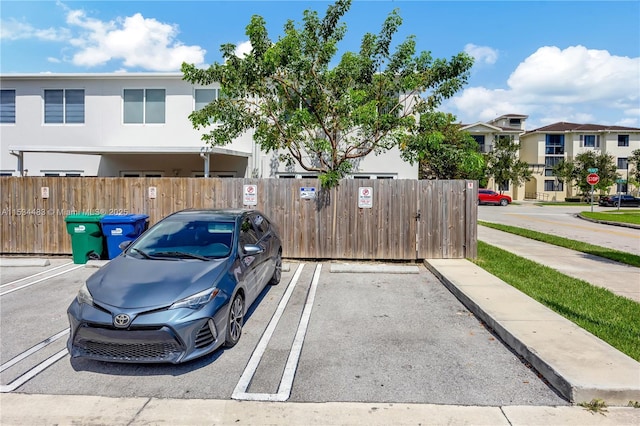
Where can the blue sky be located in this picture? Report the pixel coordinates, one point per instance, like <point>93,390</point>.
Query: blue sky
<point>576,61</point>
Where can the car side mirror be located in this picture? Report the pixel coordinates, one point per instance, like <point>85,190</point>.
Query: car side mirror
<point>252,249</point>
<point>123,245</point>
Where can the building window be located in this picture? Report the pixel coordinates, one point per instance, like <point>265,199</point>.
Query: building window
<point>203,97</point>
<point>514,122</point>
<point>65,173</point>
<point>554,145</point>
<point>144,106</point>
<point>590,141</point>
<point>141,174</point>
<point>480,140</point>
<point>623,163</point>
<point>7,106</point>
<point>553,185</point>
<point>6,172</point>
<point>64,106</point>
<point>504,186</point>
<point>623,140</point>
<point>550,163</point>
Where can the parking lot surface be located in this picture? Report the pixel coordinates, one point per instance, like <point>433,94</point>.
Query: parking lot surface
<point>319,336</point>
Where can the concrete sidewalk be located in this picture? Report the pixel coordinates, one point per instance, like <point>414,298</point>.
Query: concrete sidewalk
<point>21,410</point>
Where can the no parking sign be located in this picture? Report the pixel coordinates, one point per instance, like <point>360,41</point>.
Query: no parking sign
<point>365,197</point>
<point>250,195</point>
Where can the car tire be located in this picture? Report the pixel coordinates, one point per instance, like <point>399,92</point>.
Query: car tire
<point>235,320</point>
<point>277,272</point>
<point>504,202</point>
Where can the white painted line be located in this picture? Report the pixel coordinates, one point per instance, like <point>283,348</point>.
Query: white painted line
<point>35,275</point>
<point>296,349</point>
<point>33,350</point>
<point>40,280</point>
<point>243,384</point>
<point>33,372</point>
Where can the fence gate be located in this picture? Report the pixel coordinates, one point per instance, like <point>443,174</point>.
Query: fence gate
<point>446,219</point>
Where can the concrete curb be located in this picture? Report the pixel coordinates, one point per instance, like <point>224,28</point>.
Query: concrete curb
<point>23,261</point>
<point>606,222</point>
<point>374,269</point>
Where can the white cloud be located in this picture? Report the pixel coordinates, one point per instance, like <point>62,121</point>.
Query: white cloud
<point>137,41</point>
<point>575,84</point>
<point>482,53</point>
<point>12,29</point>
<point>243,49</point>
<point>576,74</point>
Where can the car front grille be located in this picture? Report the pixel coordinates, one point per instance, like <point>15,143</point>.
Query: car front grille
<point>141,345</point>
<point>134,352</point>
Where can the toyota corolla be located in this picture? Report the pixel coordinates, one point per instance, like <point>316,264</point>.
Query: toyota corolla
<point>179,291</point>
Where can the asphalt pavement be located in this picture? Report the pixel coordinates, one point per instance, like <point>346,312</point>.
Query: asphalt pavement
<point>579,365</point>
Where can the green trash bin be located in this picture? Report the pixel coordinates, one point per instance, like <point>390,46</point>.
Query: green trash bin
<point>87,240</point>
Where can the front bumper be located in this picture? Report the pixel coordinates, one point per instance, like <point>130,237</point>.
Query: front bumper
<point>147,340</point>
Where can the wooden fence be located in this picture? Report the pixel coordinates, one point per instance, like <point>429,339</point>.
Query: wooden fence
<point>360,219</point>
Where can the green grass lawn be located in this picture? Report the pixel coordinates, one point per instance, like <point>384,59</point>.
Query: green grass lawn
<point>614,319</point>
<point>607,253</point>
<point>623,215</point>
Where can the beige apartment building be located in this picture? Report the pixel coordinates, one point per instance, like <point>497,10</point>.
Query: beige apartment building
<point>544,147</point>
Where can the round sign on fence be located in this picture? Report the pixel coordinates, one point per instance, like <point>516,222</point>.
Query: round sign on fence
<point>593,179</point>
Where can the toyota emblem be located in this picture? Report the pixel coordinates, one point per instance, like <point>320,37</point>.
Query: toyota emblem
<point>121,320</point>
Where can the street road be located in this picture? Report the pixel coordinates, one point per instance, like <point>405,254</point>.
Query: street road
<point>339,337</point>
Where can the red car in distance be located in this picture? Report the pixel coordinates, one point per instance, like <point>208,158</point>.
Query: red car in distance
<point>487,196</point>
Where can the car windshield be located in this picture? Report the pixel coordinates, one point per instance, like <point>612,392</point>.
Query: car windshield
<point>178,238</point>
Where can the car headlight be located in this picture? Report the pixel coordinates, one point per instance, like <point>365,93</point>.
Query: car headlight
<point>84,296</point>
<point>197,300</point>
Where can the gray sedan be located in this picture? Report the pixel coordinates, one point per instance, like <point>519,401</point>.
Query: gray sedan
<point>180,291</point>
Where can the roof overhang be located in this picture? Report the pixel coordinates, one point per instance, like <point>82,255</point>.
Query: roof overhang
<point>489,127</point>
<point>105,150</point>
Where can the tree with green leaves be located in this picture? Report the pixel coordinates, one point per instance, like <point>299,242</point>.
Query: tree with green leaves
<point>321,116</point>
<point>442,150</point>
<point>575,171</point>
<point>503,164</point>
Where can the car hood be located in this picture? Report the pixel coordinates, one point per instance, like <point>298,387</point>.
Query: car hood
<point>127,282</point>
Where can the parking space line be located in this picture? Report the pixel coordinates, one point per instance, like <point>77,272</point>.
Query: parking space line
<point>33,372</point>
<point>240,391</point>
<point>296,349</point>
<point>35,275</point>
<point>41,279</point>
<point>286,382</point>
<point>33,350</point>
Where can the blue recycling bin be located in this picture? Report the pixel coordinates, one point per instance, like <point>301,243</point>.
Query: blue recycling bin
<point>119,228</point>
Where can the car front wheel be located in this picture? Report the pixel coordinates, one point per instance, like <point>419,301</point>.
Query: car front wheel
<point>235,320</point>
<point>504,202</point>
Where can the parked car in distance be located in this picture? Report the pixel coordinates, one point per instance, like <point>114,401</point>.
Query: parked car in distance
<point>487,196</point>
<point>622,200</point>
<point>179,291</point>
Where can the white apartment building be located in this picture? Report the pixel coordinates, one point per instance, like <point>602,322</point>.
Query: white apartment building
<point>136,124</point>
<point>131,124</point>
